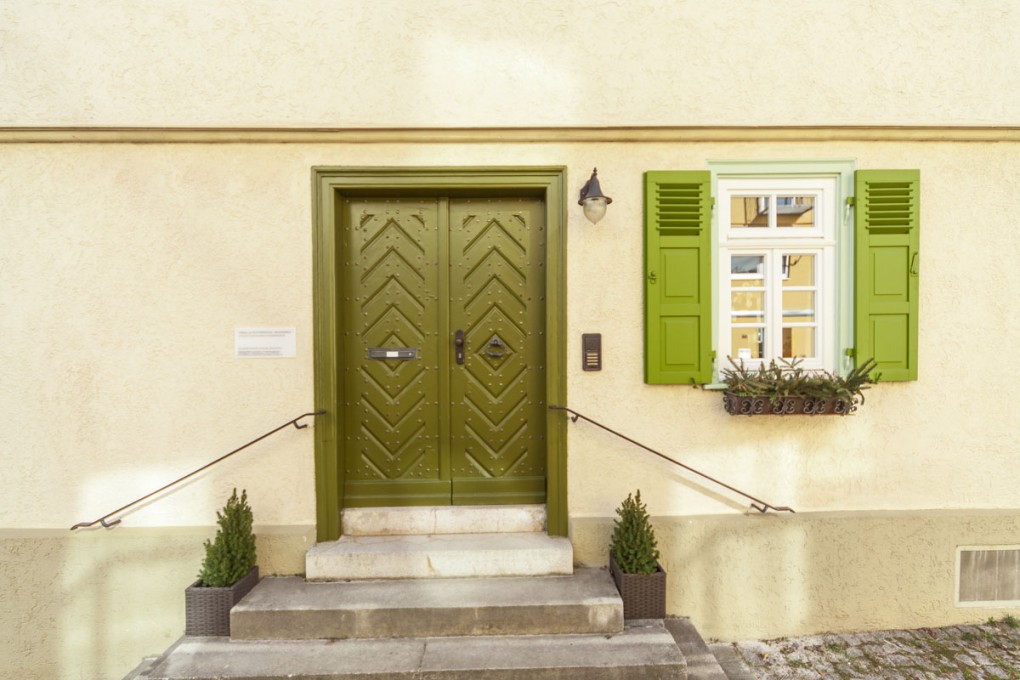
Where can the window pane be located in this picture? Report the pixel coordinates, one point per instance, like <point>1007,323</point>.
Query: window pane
<point>795,211</point>
<point>747,306</point>
<point>798,270</point>
<point>749,211</point>
<point>798,306</point>
<point>798,342</point>
<point>748,343</point>
<point>748,265</point>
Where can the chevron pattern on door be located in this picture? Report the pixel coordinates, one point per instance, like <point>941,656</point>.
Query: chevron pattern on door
<point>391,407</point>
<point>430,430</point>
<point>498,417</point>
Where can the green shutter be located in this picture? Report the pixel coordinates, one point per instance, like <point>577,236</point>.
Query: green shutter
<point>678,277</point>
<point>886,245</point>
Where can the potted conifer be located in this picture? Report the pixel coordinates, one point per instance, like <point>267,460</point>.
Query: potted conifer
<point>228,571</point>
<point>634,562</point>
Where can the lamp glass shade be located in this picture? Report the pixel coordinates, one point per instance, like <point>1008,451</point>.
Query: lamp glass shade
<point>595,208</point>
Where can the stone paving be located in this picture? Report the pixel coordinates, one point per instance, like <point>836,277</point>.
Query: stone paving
<point>991,650</point>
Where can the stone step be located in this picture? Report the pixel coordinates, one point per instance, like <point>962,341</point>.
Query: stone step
<point>293,609</point>
<point>701,662</point>
<point>731,663</point>
<point>447,519</point>
<point>440,556</point>
<point>643,651</point>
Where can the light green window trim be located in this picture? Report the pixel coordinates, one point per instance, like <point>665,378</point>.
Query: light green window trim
<point>843,173</point>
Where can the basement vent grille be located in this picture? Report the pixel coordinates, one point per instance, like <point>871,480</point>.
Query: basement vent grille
<point>988,576</point>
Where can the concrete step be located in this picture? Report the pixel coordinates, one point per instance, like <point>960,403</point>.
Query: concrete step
<point>643,651</point>
<point>440,556</point>
<point>731,663</point>
<point>447,519</point>
<point>293,609</point>
<point>701,662</point>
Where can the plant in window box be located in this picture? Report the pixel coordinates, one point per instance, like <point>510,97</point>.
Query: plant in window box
<point>634,562</point>
<point>228,571</point>
<point>786,388</point>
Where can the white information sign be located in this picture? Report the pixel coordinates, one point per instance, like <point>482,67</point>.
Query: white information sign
<point>265,343</point>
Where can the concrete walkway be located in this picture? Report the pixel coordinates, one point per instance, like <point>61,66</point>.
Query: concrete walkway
<point>991,650</point>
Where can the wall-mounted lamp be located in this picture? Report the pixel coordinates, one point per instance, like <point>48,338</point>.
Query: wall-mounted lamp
<point>592,199</point>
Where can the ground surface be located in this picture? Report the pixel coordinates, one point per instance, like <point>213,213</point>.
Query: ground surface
<point>991,650</point>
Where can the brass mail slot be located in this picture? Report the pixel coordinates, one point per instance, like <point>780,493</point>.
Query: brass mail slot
<point>382,353</point>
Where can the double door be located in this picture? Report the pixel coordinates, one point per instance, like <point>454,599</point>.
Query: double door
<point>443,342</point>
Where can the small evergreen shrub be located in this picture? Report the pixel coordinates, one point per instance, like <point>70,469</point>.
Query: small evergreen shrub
<point>232,554</point>
<point>633,545</point>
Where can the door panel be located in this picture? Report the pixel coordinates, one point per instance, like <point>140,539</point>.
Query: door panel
<point>391,406</point>
<point>498,416</point>
<point>428,430</point>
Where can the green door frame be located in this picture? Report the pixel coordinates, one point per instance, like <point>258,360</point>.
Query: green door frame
<point>329,184</point>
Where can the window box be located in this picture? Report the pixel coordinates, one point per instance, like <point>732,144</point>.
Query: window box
<point>786,388</point>
<point>737,405</point>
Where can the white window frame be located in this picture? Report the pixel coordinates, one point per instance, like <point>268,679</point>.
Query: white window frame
<point>772,241</point>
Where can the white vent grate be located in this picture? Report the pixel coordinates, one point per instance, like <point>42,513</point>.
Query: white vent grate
<point>988,576</point>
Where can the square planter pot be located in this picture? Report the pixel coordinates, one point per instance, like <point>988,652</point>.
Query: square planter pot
<point>644,595</point>
<point>207,610</point>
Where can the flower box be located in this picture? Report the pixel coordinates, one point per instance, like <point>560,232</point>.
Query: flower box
<point>737,405</point>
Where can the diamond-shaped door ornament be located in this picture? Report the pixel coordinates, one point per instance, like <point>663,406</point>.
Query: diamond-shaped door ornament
<point>495,351</point>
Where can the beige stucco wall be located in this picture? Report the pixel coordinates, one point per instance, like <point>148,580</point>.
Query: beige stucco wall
<point>449,63</point>
<point>126,269</point>
<point>783,575</point>
<point>90,605</point>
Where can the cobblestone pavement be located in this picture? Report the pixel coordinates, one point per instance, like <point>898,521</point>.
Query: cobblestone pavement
<point>990,650</point>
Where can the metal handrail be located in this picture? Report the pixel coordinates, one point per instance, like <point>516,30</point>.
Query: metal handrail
<point>102,520</point>
<point>756,503</point>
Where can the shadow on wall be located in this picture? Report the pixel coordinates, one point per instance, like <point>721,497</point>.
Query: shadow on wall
<point>91,604</point>
<point>768,576</point>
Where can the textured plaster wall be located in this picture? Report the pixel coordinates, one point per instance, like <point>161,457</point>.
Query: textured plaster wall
<point>126,268</point>
<point>450,63</point>
<point>782,575</point>
<point>90,605</point>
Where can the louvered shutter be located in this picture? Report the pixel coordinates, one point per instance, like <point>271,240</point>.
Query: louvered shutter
<point>678,283</point>
<point>886,270</point>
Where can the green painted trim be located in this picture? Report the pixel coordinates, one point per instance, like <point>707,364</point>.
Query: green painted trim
<point>843,170</point>
<point>328,184</point>
<point>872,274</point>
<point>328,473</point>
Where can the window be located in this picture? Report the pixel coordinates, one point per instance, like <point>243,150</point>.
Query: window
<point>776,270</point>
<point>761,261</point>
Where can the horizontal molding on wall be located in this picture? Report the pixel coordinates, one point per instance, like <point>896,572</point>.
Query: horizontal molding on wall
<point>522,135</point>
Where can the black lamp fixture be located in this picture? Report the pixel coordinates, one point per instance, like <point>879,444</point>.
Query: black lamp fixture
<point>592,199</point>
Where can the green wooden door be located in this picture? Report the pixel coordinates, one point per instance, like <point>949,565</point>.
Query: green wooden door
<point>443,347</point>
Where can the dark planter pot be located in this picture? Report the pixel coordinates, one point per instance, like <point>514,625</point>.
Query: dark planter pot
<point>737,405</point>
<point>644,595</point>
<point>207,610</point>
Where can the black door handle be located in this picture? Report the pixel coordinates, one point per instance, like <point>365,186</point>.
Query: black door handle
<point>458,343</point>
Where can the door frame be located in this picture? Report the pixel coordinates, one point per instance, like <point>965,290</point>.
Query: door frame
<point>329,186</point>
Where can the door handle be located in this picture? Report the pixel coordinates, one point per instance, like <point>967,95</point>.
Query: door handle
<point>497,349</point>
<point>458,344</point>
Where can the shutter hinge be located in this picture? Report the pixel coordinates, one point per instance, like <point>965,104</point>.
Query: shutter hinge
<point>850,200</point>
<point>851,352</point>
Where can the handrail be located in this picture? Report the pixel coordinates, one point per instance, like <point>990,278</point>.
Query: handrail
<point>756,503</point>
<point>102,520</point>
